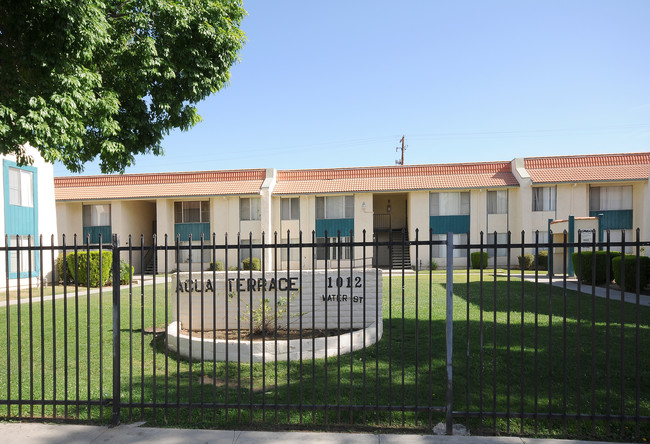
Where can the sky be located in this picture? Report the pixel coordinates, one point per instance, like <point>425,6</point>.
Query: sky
<point>337,83</point>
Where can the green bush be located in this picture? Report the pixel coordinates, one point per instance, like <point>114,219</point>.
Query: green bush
<point>630,271</point>
<point>251,264</point>
<point>125,276</point>
<point>476,259</point>
<point>83,262</point>
<point>542,260</point>
<point>232,268</point>
<point>526,261</point>
<point>62,275</point>
<point>585,273</point>
<point>433,265</point>
<point>216,266</point>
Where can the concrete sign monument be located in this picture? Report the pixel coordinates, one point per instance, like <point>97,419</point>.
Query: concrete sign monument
<point>346,301</point>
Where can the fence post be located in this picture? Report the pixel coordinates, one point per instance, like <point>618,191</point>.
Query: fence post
<point>116,330</point>
<point>450,331</point>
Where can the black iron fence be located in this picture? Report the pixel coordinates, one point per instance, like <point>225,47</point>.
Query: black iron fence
<point>503,339</point>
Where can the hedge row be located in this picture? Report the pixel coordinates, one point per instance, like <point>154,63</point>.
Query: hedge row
<point>76,270</point>
<point>616,268</point>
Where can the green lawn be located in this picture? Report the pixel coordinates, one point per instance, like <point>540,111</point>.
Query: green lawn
<point>407,367</point>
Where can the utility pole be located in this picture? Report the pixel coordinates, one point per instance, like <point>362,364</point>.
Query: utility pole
<point>403,148</point>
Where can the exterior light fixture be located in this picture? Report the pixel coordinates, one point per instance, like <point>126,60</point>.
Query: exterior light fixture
<point>388,206</point>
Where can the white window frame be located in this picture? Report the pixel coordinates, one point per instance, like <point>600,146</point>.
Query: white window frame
<point>497,202</point>
<point>96,215</point>
<point>250,208</point>
<point>327,207</point>
<point>21,187</point>
<point>289,208</point>
<point>440,251</point>
<point>544,198</point>
<point>449,203</point>
<point>185,208</point>
<point>611,198</point>
<point>333,248</point>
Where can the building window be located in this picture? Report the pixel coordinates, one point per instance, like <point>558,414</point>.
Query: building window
<point>497,202</point>
<point>333,250</point>
<point>610,198</point>
<point>20,258</point>
<point>501,240</point>
<point>192,212</point>
<point>21,187</point>
<point>449,204</point>
<point>440,251</point>
<point>544,198</point>
<point>250,208</point>
<point>96,215</point>
<point>335,207</point>
<point>290,208</point>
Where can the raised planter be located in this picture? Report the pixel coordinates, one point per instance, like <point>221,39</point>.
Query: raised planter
<point>270,350</point>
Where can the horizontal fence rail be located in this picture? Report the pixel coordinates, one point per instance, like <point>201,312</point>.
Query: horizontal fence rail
<point>514,336</point>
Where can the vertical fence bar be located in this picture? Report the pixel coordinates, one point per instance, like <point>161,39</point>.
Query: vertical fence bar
<point>31,326</point>
<point>54,277</point>
<point>76,325</point>
<point>637,347</point>
<point>166,249</point>
<point>130,252</point>
<point>494,335</point>
<point>101,335</point>
<point>508,338</point>
<point>8,294</point>
<point>99,284</point>
<point>623,302</point>
<point>450,332</point>
<point>116,333</point>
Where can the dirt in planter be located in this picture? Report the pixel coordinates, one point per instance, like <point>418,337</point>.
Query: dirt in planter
<point>268,336</point>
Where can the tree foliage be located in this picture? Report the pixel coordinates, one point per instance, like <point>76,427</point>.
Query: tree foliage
<point>81,79</point>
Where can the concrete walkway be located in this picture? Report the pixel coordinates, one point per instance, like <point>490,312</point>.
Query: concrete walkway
<point>601,292</point>
<point>81,290</point>
<point>132,434</point>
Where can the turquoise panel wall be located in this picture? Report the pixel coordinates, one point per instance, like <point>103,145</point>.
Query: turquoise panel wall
<point>613,220</point>
<point>19,220</point>
<point>195,229</point>
<point>333,226</point>
<point>444,224</point>
<point>104,230</point>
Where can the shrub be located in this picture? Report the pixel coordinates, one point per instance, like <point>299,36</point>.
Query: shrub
<point>542,260</point>
<point>232,268</point>
<point>83,262</point>
<point>630,271</point>
<point>251,264</point>
<point>526,261</point>
<point>125,276</point>
<point>216,266</point>
<point>476,259</point>
<point>585,273</point>
<point>62,275</point>
<point>433,265</point>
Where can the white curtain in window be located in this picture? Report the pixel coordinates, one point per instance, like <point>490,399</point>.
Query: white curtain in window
<point>335,207</point>
<point>544,198</point>
<point>612,198</point>
<point>497,202</point>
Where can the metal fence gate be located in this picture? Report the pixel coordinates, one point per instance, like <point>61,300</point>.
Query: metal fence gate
<point>306,334</point>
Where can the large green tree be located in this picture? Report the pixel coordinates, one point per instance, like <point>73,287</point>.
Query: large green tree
<point>81,79</point>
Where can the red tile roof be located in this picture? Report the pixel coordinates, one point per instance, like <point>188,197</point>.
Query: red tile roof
<point>140,186</point>
<point>395,178</point>
<point>589,168</point>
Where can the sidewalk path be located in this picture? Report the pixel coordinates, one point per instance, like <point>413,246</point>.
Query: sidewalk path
<point>572,284</point>
<point>132,434</point>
